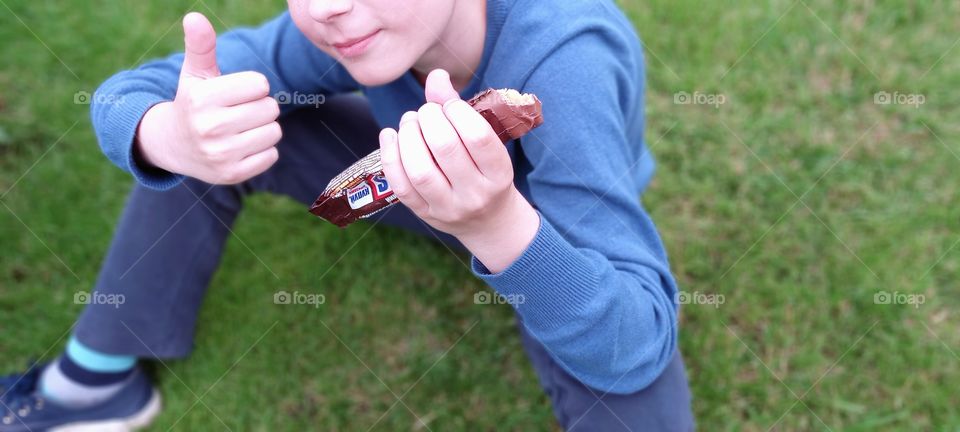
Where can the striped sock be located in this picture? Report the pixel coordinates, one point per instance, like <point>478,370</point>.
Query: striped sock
<point>83,377</point>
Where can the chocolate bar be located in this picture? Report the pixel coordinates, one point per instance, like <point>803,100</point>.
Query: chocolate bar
<point>362,190</point>
<point>510,113</point>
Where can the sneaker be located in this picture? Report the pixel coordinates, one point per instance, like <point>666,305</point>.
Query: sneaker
<point>24,409</point>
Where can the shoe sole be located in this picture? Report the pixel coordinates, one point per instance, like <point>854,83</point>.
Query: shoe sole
<point>137,421</point>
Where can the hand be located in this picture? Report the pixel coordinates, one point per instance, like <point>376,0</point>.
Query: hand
<point>449,167</point>
<point>219,129</point>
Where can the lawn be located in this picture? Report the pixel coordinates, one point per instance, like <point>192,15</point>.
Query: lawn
<point>807,179</point>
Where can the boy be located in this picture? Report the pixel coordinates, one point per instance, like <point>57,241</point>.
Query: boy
<point>567,231</point>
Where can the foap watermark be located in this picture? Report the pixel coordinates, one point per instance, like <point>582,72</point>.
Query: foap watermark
<point>699,298</point>
<point>897,98</point>
<point>84,97</point>
<point>899,298</point>
<point>299,298</point>
<point>484,297</point>
<point>95,298</point>
<point>300,99</point>
<point>699,98</point>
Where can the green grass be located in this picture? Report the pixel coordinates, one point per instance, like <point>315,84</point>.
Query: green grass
<point>878,185</point>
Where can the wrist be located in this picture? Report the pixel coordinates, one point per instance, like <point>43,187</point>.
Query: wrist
<point>506,236</point>
<point>153,127</point>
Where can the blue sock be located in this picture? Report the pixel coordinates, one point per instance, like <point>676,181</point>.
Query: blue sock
<point>83,376</point>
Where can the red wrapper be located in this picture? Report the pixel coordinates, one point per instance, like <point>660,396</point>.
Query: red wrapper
<point>362,190</point>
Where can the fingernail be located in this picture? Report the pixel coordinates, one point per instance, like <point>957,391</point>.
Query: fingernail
<point>450,102</point>
<point>408,116</point>
<point>386,136</point>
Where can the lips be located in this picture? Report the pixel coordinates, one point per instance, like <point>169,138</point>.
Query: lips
<point>352,42</point>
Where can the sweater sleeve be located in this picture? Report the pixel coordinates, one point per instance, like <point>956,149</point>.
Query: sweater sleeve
<point>277,49</point>
<point>594,286</point>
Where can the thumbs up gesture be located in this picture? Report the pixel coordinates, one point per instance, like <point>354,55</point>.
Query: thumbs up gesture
<point>220,129</point>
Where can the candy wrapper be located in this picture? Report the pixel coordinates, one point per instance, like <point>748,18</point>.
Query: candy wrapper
<point>362,190</point>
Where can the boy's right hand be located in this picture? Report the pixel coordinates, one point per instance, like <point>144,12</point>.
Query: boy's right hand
<point>219,129</point>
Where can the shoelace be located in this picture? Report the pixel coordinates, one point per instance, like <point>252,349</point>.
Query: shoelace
<point>19,395</point>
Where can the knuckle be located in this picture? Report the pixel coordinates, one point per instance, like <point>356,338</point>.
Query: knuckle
<point>215,155</point>
<point>409,199</point>
<point>403,192</point>
<point>273,107</point>
<point>445,149</point>
<point>432,111</point>
<point>470,205</point>
<point>421,180</point>
<point>207,126</point>
<point>196,98</point>
<point>274,132</point>
<point>475,139</point>
<point>273,154</point>
<point>232,177</point>
<point>260,83</point>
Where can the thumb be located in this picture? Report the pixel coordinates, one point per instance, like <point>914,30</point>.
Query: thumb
<point>200,47</point>
<point>438,87</point>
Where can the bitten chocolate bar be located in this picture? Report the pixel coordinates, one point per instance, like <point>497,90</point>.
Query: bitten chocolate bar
<point>362,190</point>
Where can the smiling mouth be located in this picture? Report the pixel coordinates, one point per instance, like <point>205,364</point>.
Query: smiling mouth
<point>353,42</point>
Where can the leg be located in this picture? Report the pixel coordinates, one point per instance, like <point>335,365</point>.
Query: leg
<point>663,406</point>
<point>168,244</point>
<point>164,252</point>
<point>324,147</point>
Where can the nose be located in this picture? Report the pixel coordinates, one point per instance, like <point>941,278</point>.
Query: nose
<point>326,10</point>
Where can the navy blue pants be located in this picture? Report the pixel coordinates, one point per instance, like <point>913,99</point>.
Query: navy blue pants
<point>168,244</point>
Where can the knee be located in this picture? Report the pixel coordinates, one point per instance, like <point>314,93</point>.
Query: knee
<point>219,197</point>
<point>664,405</point>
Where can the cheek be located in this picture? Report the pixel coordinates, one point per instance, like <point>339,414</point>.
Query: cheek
<point>300,15</point>
<point>424,17</point>
<point>298,10</point>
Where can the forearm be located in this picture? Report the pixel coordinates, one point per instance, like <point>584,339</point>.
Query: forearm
<point>276,49</point>
<point>612,328</point>
<point>117,113</point>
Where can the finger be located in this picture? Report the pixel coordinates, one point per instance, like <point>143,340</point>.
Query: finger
<point>257,140</point>
<point>395,174</point>
<point>423,173</point>
<point>438,87</point>
<point>255,164</point>
<point>235,88</point>
<point>250,115</point>
<point>200,47</point>
<point>446,148</point>
<point>408,116</point>
<point>485,148</point>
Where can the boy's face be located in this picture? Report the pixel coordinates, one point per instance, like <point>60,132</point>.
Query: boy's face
<point>405,30</point>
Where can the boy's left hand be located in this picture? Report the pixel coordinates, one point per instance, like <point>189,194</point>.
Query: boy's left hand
<point>449,167</point>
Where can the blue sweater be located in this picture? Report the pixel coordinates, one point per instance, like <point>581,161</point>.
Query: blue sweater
<point>595,282</point>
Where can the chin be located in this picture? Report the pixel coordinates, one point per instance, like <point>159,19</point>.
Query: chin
<point>372,75</point>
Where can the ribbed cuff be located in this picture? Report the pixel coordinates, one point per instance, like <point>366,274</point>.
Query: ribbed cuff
<point>96,361</point>
<point>549,284</point>
<point>125,119</point>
